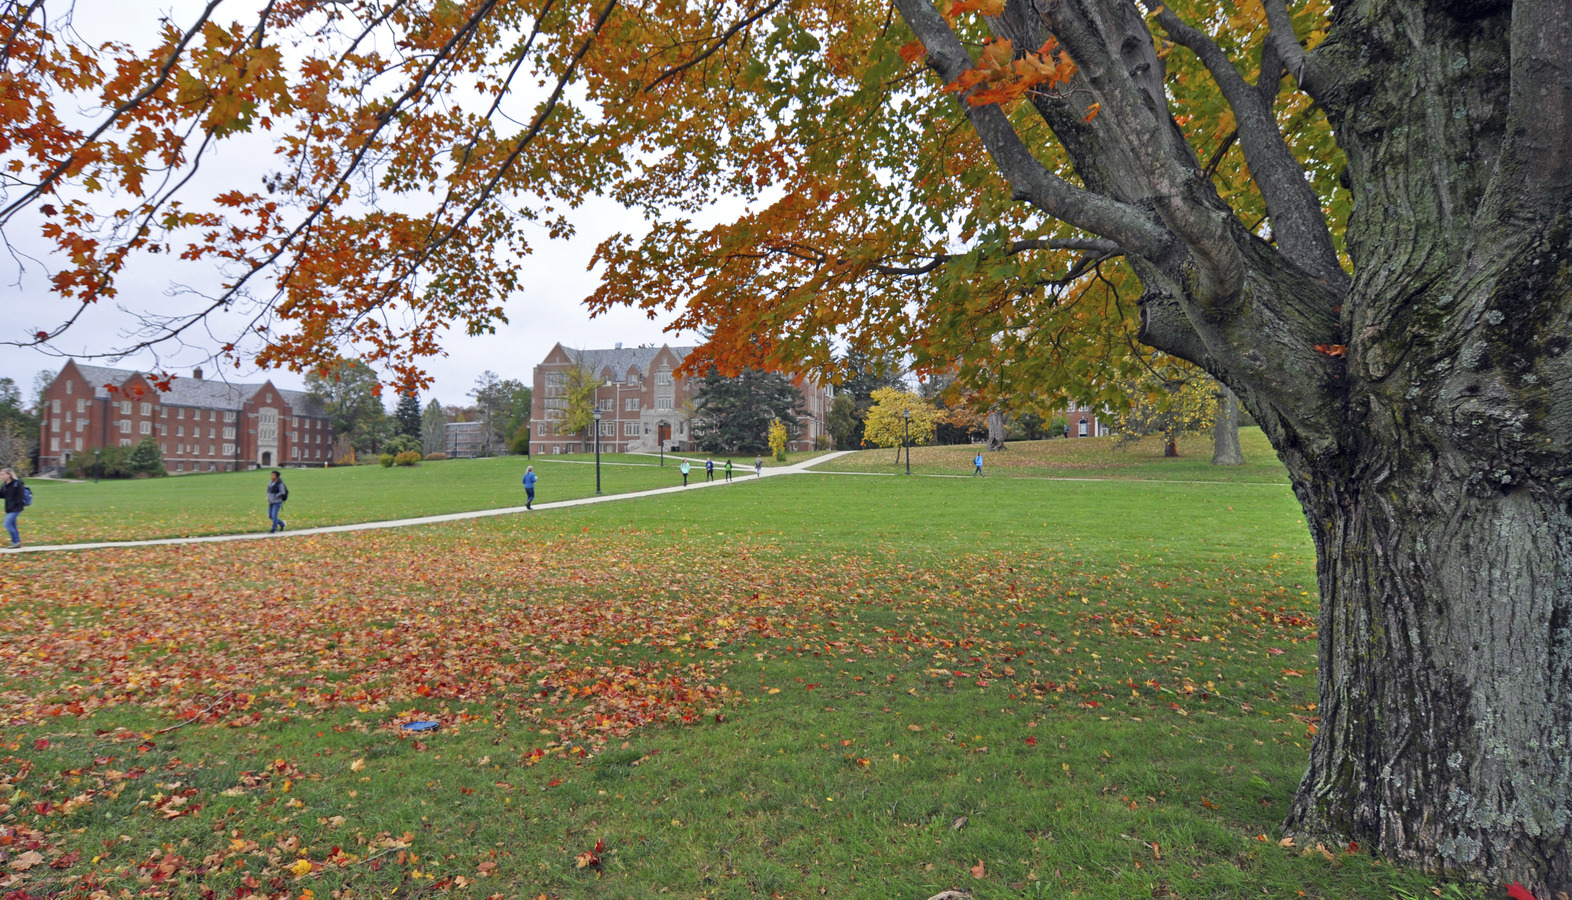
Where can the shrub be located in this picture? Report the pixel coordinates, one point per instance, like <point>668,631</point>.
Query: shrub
<point>400,443</point>
<point>823,442</point>
<point>146,459</point>
<point>348,459</point>
<point>386,460</point>
<point>408,458</point>
<point>120,462</point>
<point>437,455</point>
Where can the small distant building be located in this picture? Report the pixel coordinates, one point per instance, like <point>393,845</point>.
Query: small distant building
<point>1084,421</point>
<point>200,425</point>
<point>644,405</point>
<point>465,440</point>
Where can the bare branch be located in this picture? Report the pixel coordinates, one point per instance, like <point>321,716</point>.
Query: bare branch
<point>1293,56</point>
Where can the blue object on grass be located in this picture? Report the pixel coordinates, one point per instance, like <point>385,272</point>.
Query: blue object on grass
<point>421,726</point>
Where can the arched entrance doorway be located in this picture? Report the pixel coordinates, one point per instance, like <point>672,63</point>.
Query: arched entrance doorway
<point>267,458</point>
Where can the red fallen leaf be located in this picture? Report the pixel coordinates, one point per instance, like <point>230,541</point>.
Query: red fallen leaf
<point>43,807</point>
<point>1518,892</point>
<point>67,861</point>
<point>1332,349</point>
<point>466,791</point>
<point>41,744</point>
<point>420,747</point>
<point>590,858</point>
<point>1208,804</point>
<point>979,870</point>
<point>1274,651</point>
<point>1352,848</point>
<point>553,782</point>
<point>1031,742</point>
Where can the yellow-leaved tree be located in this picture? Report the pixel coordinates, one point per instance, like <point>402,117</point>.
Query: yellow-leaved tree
<point>1169,402</point>
<point>778,439</point>
<point>887,422</point>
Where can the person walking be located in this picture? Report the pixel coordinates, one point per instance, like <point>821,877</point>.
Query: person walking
<point>728,471</point>
<point>684,470</point>
<point>709,469</point>
<point>529,487</point>
<point>758,466</point>
<point>16,496</point>
<point>277,493</point>
<point>977,465</point>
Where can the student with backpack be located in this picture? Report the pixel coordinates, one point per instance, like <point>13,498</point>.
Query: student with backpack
<point>277,493</point>
<point>529,487</point>
<point>684,469</point>
<point>18,497</point>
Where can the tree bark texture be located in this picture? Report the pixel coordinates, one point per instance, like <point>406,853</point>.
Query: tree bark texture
<point>1422,404</point>
<point>1225,434</point>
<point>996,430</point>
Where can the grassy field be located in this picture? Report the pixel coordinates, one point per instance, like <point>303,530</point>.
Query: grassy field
<point>230,502</point>
<point>1084,458</point>
<point>803,687</point>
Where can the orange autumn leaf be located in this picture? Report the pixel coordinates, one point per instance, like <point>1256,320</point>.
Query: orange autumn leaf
<point>979,870</point>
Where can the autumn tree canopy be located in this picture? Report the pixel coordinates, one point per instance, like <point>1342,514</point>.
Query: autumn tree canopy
<point>1356,219</point>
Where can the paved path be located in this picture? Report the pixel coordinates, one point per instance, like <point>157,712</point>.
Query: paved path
<point>741,476</point>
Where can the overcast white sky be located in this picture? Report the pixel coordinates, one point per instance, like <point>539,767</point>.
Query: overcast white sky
<point>548,309</point>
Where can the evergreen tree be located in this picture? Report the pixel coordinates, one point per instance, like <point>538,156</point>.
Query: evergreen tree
<point>407,414</point>
<point>733,415</point>
<point>433,429</point>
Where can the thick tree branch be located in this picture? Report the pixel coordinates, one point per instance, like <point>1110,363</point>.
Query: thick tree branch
<point>1304,69</point>
<point>1101,36</point>
<point>1294,209</point>
<point>1100,249</point>
<point>1535,169</point>
<point>1031,181</point>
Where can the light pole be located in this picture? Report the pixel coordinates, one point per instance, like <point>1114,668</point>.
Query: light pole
<point>95,465</point>
<point>907,415</point>
<point>596,416</point>
<point>660,437</point>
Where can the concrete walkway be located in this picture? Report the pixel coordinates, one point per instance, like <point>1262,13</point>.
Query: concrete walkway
<point>741,475</point>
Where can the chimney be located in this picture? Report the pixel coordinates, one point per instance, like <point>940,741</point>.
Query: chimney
<point>619,345</point>
<point>196,374</point>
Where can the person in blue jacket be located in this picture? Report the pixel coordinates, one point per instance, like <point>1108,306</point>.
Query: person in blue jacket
<point>977,466</point>
<point>277,493</point>
<point>14,492</point>
<point>684,469</point>
<point>529,487</point>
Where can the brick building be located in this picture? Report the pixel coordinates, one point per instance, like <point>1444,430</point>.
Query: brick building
<point>200,426</point>
<point>1084,421</point>
<point>643,404</point>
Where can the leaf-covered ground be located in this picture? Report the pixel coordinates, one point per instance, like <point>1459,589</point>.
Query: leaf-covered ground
<point>860,688</point>
<point>1084,458</point>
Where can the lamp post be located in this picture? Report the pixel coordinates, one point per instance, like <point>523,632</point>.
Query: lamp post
<point>95,465</point>
<point>596,416</point>
<point>907,415</point>
<point>660,438</point>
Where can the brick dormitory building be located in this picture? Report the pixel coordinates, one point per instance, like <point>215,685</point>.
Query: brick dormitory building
<point>199,425</point>
<point>644,405</point>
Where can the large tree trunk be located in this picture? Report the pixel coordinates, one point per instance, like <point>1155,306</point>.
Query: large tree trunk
<point>996,430</point>
<point>1423,406</point>
<point>1225,434</point>
<point>1445,735</point>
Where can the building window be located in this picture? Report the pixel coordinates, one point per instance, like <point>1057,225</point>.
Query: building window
<point>81,405</point>
<point>125,442</point>
<point>608,429</point>
<point>146,427</point>
<point>663,377</point>
<point>212,433</point>
<point>180,467</point>
<point>54,424</point>
<point>229,434</point>
<point>608,405</point>
<point>631,404</point>
<point>54,405</point>
<point>229,449</point>
<point>229,417</point>
<point>125,426</point>
<point>294,436</point>
<point>180,431</point>
<point>147,409</point>
<point>68,390</point>
<point>163,448</point>
<point>125,407</point>
<point>81,424</point>
<point>630,429</point>
<point>79,444</point>
<point>556,378</point>
<point>181,413</point>
<point>54,445</point>
<point>663,403</point>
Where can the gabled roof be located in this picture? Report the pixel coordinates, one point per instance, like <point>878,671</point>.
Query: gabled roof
<point>623,359</point>
<point>206,393</point>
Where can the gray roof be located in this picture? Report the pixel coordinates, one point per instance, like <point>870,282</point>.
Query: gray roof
<point>620,360</point>
<point>204,393</point>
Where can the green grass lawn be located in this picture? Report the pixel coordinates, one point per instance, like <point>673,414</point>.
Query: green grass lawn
<point>1083,458</point>
<point>800,687</point>
<point>230,502</point>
